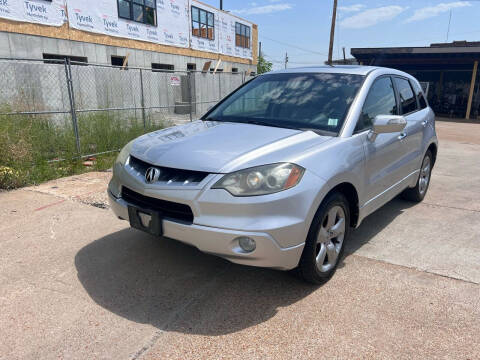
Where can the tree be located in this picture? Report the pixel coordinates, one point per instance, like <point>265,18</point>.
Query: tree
<point>263,65</point>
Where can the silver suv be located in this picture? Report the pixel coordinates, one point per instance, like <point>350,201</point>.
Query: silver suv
<point>279,171</point>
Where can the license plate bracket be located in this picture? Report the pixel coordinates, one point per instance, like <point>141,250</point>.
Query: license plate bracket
<point>146,220</point>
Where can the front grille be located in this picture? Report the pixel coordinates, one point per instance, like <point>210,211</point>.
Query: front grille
<point>169,175</point>
<point>168,209</point>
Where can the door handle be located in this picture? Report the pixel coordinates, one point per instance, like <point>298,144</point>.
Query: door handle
<point>424,123</point>
<point>402,135</point>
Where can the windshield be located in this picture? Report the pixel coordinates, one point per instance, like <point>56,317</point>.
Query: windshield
<point>305,101</point>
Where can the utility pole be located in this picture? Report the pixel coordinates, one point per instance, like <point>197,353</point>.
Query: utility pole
<point>259,49</point>
<point>332,32</point>
<point>286,60</point>
<point>344,57</point>
<point>221,4</point>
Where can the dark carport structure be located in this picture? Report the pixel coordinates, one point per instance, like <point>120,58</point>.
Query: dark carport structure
<point>450,70</point>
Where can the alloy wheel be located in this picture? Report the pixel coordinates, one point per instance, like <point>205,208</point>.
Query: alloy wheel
<point>424,176</point>
<point>330,238</point>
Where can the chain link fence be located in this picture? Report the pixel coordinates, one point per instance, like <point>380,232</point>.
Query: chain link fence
<point>54,110</point>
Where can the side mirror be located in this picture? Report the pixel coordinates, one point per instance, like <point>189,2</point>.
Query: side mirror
<point>384,124</point>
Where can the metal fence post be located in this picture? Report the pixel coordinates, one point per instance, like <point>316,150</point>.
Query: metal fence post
<point>189,80</point>
<point>71,96</point>
<point>142,100</point>
<point>219,86</point>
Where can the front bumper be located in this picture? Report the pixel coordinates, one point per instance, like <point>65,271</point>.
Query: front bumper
<point>278,223</point>
<point>221,242</point>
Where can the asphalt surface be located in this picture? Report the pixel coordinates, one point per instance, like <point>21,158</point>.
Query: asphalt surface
<point>77,283</point>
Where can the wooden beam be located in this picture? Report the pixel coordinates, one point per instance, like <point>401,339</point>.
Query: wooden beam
<point>125,61</point>
<point>66,32</point>
<point>206,66</point>
<point>216,66</point>
<point>472,88</point>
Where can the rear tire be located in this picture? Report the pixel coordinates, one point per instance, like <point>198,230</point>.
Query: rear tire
<point>326,240</point>
<point>417,194</point>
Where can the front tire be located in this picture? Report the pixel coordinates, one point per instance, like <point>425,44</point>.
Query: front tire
<point>326,239</point>
<point>417,194</point>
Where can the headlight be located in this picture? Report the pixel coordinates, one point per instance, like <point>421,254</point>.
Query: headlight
<point>261,180</point>
<point>123,156</point>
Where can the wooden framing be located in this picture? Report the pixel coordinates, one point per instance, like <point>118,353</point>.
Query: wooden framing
<point>472,88</point>
<point>65,32</point>
<point>125,61</point>
<point>216,66</point>
<point>206,66</point>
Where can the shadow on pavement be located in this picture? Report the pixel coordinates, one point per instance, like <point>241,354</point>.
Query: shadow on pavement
<point>175,287</point>
<point>375,223</point>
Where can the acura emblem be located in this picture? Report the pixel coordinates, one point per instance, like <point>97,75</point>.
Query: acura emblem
<point>152,174</point>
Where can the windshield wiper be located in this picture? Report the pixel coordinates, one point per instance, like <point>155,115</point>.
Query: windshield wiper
<point>320,131</point>
<point>210,119</point>
<point>264,123</point>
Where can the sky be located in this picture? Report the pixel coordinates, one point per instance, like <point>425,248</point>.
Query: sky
<point>302,28</point>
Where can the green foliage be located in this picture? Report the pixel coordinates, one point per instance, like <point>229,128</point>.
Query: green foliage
<point>37,148</point>
<point>103,131</point>
<point>263,65</point>
<point>9,178</point>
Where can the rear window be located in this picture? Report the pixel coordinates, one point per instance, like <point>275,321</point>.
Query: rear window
<point>420,96</point>
<point>314,101</point>
<point>408,100</point>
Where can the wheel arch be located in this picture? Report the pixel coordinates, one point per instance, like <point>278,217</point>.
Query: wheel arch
<point>308,267</point>
<point>433,149</point>
<point>348,190</point>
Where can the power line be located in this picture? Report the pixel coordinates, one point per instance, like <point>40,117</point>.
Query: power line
<point>306,63</point>
<point>293,46</point>
<point>385,44</point>
<point>298,53</point>
<point>278,61</point>
<point>282,62</point>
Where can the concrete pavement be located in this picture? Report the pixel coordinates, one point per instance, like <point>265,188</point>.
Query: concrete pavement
<point>77,283</point>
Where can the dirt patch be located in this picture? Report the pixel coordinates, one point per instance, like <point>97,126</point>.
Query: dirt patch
<point>89,188</point>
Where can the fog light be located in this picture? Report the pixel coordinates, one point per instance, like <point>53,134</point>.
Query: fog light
<point>246,244</point>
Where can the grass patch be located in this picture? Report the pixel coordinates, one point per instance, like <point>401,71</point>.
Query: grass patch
<point>38,148</point>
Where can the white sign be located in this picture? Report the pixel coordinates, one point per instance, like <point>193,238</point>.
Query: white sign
<point>102,17</point>
<point>34,11</point>
<point>203,44</point>
<point>175,80</point>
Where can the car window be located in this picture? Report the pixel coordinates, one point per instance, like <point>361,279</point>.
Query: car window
<point>252,102</point>
<point>408,101</point>
<point>420,96</point>
<point>313,101</point>
<point>380,101</point>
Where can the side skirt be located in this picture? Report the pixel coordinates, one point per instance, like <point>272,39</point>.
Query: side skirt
<point>385,196</point>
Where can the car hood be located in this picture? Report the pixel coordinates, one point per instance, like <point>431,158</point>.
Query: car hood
<point>220,147</point>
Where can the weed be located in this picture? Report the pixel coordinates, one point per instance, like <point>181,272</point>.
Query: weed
<point>37,148</point>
